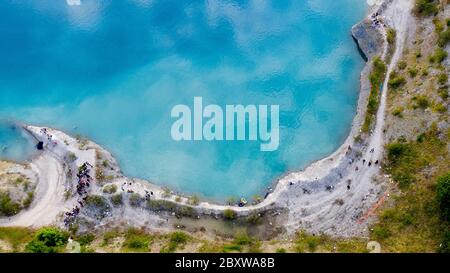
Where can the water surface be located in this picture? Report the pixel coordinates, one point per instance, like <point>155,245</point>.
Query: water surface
<point>113,70</point>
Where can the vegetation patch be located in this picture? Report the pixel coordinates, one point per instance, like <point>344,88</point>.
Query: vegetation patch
<point>48,240</point>
<point>136,240</point>
<point>376,78</point>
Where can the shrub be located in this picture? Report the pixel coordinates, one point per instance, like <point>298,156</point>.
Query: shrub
<point>229,214</point>
<point>401,65</point>
<point>443,195</point>
<point>135,199</point>
<point>395,81</point>
<point>280,250</point>
<point>438,56</point>
<point>421,101</point>
<point>7,206</point>
<point>380,233</point>
<point>194,200</point>
<point>401,158</point>
<point>412,71</point>
<point>116,199</point>
<point>391,36</point>
<point>85,239</point>
<point>110,189</point>
<point>398,111</point>
<point>96,201</point>
<point>426,7</point>
<point>47,240</point>
<point>156,205</point>
<point>176,240</point>
<point>137,240</point>
<point>231,248</point>
<point>242,239</point>
<point>443,78</point>
<point>444,37</point>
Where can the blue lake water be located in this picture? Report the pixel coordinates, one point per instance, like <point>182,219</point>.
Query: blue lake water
<point>113,70</point>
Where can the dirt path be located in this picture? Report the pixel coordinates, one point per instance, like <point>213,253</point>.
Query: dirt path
<point>49,194</point>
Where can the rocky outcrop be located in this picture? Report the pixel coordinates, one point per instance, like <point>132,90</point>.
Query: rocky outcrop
<point>367,35</point>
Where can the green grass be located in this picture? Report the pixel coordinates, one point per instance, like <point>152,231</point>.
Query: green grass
<point>176,240</point>
<point>305,242</point>
<point>16,236</point>
<point>136,241</point>
<point>412,221</point>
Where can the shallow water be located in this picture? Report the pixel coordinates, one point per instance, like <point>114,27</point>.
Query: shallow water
<point>113,70</point>
<point>15,144</point>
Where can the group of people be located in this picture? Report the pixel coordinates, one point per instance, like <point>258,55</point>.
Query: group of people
<point>84,181</point>
<point>49,136</point>
<point>376,20</point>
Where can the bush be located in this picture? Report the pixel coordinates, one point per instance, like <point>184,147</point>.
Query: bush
<point>438,56</point>
<point>137,240</point>
<point>47,240</point>
<point>444,38</point>
<point>194,200</point>
<point>229,214</point>
<point>110,189</point>
<point>443,195</point>
<point>412,71</point>
<point>391,36</point>
<point>7,206</point>
<point>85,239</point>
<point>380,233</point>
<point>426,7</point>
<point>116,199</point>
<point>442,78</point>
<point>176,240</point>
<point>396,81</point>
<point>421,101</point>
<point>402,65</point>
<point>136,200</point>
<point>398,111</point>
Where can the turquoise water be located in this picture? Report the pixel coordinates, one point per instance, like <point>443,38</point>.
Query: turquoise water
<point>15,144</point>
<point>113,70</point>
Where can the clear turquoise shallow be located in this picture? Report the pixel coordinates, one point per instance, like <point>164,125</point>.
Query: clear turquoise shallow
<point>112,71</point>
